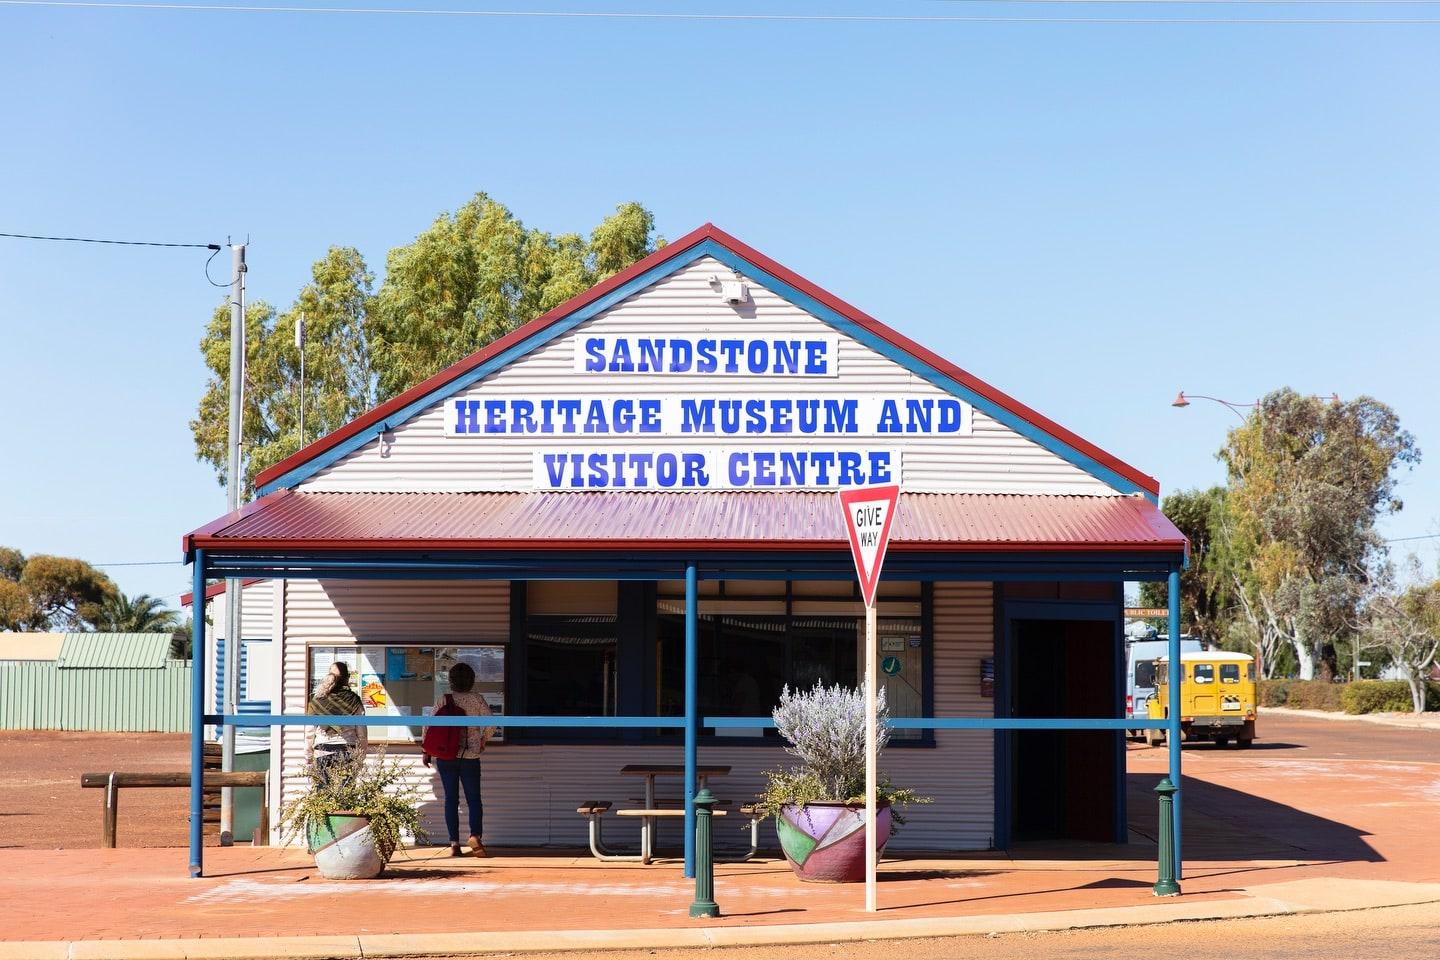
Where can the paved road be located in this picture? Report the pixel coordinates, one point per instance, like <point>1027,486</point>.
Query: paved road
<point>1346,739</point>
<point>1293,737</point>
<point>1399,933</point>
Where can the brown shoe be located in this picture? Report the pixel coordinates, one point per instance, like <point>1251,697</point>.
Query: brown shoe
<point>477,848</point>
<point>455,850</point>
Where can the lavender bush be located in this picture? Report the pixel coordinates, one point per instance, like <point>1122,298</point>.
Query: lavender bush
<point>825,728</point>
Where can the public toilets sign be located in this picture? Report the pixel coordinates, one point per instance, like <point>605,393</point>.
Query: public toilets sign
<point>619,441</point>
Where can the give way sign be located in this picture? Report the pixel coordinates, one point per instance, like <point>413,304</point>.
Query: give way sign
<point>868,513</point>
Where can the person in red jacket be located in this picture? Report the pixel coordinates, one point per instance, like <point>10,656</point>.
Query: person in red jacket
<point>463,772</point>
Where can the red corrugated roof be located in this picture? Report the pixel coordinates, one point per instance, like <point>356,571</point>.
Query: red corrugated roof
<point>698,521</point>
<point>710,232</point>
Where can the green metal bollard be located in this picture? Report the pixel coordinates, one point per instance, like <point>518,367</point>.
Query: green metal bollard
<point>1167,886</point>
<point>704,905</point>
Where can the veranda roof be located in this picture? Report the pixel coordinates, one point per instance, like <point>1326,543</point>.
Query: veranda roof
<point>732,520</point>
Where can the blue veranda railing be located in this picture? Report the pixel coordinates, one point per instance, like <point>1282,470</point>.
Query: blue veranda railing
<point>691,723</point>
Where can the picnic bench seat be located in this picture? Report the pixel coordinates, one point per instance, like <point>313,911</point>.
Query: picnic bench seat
<point>594,810</point>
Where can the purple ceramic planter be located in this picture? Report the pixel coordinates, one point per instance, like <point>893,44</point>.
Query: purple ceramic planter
<point>825,842</point>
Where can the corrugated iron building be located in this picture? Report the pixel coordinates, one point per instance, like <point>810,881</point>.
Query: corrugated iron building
<point>93,681</point>
<point>467,520</point>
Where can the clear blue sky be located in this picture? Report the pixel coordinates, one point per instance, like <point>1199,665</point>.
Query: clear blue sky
<point>1090,217</point>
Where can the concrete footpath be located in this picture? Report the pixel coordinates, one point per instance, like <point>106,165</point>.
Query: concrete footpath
<point>265,903</point>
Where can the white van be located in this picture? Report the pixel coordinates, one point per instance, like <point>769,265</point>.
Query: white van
<point>1140,673</point>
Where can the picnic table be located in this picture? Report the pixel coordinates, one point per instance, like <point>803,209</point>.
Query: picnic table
<point>650,771</point>
<point>652,811</point>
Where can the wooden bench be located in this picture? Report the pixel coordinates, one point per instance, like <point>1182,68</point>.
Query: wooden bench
<point>213,781</point>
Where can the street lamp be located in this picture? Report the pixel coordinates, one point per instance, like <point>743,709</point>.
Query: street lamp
<point>1183,401</point>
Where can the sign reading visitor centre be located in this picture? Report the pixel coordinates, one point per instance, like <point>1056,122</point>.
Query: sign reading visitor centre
<point>619,442</point>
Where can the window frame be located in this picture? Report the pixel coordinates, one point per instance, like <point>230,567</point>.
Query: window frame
<point>637,630</point>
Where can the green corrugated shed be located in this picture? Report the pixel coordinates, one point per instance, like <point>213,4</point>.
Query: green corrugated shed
<point>142,651</point>
<point>119,682</point>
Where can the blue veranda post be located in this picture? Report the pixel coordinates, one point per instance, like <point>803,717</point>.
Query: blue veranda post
<point>197,715</point>
<point>692,712</point>
<point>1172,734</point>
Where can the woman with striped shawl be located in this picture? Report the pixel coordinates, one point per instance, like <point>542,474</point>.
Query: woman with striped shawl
<point>337,746</point>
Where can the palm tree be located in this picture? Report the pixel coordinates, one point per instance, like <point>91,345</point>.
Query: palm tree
<point>141,613</point>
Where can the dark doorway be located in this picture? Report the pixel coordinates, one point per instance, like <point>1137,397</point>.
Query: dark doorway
<point>1065,780</point>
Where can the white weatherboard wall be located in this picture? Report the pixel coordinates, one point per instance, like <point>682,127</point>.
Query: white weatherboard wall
<point>417,455</point>
<point>531,791</point>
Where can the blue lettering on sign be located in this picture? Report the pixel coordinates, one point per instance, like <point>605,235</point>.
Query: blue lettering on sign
<point>732,415</point>
<point>710,469</point>
<point>756,356</point>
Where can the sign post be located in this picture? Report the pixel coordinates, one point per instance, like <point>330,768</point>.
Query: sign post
<point>868,515</point>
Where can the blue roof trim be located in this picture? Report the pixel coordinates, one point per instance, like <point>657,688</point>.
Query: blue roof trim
<point>710,248</point>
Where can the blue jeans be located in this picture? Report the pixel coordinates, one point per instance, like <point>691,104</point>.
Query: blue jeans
<point>455,774</point>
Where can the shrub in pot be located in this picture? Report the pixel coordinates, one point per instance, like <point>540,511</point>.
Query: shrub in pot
<point>353,815</point>
<point>819,805</point>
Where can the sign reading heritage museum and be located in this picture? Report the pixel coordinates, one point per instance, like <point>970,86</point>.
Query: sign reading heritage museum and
<point>801,439</point>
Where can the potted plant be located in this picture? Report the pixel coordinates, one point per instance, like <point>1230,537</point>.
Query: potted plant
<point>819,806</point>
<point>353,815</point>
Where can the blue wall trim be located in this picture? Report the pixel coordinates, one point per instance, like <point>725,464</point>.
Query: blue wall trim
<point>660,271</point>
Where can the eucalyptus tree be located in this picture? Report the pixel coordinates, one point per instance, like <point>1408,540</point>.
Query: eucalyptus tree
<point>1309,478</point>
<point>470,278</point>
<point>44,592</point>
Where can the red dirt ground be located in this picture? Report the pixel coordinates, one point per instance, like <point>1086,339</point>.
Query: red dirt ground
<point>44,807</point>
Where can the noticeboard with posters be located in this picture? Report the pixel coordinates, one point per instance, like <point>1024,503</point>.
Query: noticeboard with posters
<point>396,681</point>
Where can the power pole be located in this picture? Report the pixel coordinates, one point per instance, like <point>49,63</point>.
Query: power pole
<point>235,484</point>
<point>300,347</point>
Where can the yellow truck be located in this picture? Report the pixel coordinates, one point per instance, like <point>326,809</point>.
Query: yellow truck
<point>1217,698</point>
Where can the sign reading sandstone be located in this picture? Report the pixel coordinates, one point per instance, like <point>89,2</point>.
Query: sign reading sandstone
<point>784,439</point>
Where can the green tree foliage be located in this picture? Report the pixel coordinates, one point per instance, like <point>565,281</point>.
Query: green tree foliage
<point>1203,587</point>
<point>1308,480</point>
<point>50,593</point>
<point>339,381</point>
<point>472,277</point>
<point>141,613</point>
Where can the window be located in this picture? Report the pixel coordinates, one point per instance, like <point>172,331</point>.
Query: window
<point>755,637</point>
<point>1204,673</point>
<point>1250,672</point>
<point>571,649</point>
<point>1229,673</point>
<point>1145,673</point>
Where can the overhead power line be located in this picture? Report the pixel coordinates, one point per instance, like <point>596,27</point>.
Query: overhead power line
<point>141,563</point>
<point>122,243</point>
<point>1182,3</point>
<point>703,17</point>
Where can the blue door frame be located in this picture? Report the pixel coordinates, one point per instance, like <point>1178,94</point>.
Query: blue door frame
<point>1008,611</point>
